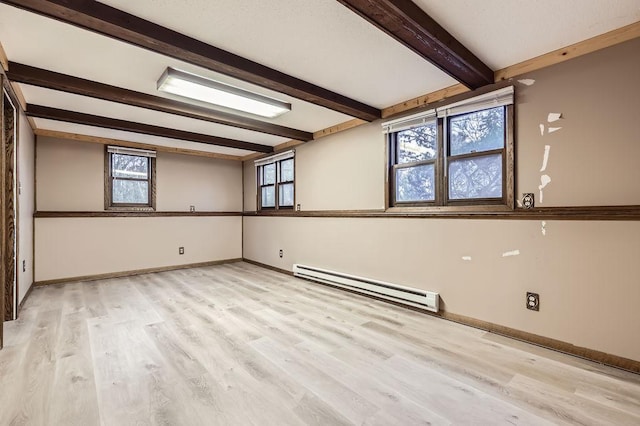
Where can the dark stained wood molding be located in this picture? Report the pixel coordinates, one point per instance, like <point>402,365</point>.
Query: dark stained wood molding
<point>26,74</point>
<point>116,213</point>
<point>2,208</point>
<point>24,299</point>
<point>111,22</point>
<point>545,342</point>
<point>134,272</point>
<point>10,129</point>
<point>406,22</point>
<point>38,111</point>
<point>626,213</point>
<point>264,265</point>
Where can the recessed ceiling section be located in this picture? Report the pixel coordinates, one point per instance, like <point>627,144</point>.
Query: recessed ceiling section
<point>87,105</point>
<point>321,42</point>
<point>108,61</point>
<point>99,132</point>
<point>503,33</point>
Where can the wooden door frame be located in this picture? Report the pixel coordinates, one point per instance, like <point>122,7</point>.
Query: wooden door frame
<point>2,208</point>
<point>10,219</point>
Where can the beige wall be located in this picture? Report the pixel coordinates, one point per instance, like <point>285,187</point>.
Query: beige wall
<point>594,157</point>
<point>207,184</point>
<point>249,187</point>
<point>583,270</point>
<point>72,247</point>
<point>70,177</point>
<point>26,204</point>
<point>342,173</point>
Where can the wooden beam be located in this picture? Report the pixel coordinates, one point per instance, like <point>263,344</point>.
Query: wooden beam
<point>109,21</point>
<point>593,44</point>
<point>338,128</point>
<point>38,111</point>
<point>109,141</point>
<point>424,100</point>
<point>406,22</point>
<point>52,80</point>
<point>4,62</point>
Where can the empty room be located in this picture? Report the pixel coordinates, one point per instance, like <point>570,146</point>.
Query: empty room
<point>319,212</point>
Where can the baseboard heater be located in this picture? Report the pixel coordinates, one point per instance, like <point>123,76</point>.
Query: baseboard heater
<point>409,296</point>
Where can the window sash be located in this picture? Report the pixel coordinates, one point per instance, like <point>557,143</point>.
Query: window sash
<point>111,179</point>
<point>443,159</point>
<point>276,160</point>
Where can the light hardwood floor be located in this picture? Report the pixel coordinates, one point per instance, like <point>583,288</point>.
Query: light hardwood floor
<point>239,345</point>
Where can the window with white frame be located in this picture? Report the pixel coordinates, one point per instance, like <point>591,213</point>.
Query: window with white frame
<point>129,178</point>
<point>458,154</point>
<point>276,181</point>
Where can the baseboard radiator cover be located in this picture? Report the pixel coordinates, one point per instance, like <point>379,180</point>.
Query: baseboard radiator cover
<point>428,300</point>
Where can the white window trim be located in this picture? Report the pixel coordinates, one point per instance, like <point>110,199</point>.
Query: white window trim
<point>131,151</point>
<point>276,157</point>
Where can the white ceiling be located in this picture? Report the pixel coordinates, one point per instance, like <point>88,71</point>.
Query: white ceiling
<point>319,41</point>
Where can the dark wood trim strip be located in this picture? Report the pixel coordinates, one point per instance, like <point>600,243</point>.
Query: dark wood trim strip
<point>2,207</point>
<point>115,213</point>
<point>39,111</point>
<point>546,342</point>
<point>134,272</point>
<point>628,213</point>
<point>111,22</point>
<point>411,26</point>
<point>56,81</point>
<point>24,299</point>
<point>264,265</point>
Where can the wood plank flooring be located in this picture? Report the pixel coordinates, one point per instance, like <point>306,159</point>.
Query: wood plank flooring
<point>241,345</point>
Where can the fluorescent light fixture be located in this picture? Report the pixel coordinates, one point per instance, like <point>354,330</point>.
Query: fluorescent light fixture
<point>193,86</point>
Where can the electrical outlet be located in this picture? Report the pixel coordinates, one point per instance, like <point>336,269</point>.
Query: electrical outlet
<point>281,253</point>
<point>180,250</point>
<point>533,301</point>
<point>528,200</point>
<point>24,266</point>
<point>192,209</point>
<point>297,207</point>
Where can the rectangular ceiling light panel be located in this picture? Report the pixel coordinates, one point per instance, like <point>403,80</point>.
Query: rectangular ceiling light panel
<point>187,85</point>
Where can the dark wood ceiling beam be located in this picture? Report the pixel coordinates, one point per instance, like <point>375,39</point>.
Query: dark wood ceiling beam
<point>411,26</point>
<point>38,111</point>
<point>112,22</point>
<point>26,74</point>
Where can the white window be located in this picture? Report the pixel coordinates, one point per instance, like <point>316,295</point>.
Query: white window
<point>129,178</point>
<point>459,154</point>
<point>276,181</point>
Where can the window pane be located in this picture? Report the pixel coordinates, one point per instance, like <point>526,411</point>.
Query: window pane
<point>285,197</point>
<point>268,196</point>
<point>269,176</point>
<point>131,191</point>
<point>417,144</point>
<point>415,183</point>
<point>129,166</point>
<point>286,171</point>
<point>479,177</point>
<point>477,131</point>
